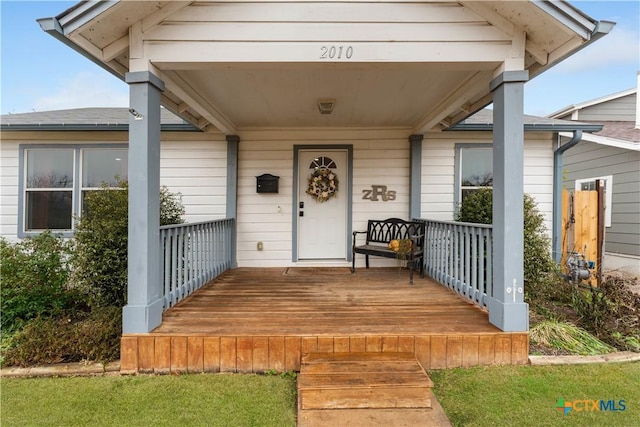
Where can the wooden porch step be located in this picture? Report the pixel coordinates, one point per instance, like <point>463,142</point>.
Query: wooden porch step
<point>407,417</point>
<point>359,389</point>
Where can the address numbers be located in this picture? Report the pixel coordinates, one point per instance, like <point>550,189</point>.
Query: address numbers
<point>336,52</point>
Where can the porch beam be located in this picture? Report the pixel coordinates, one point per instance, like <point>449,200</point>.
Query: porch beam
<point>143,311</point>
<point>452,104</point>
<point>209,112</point>
<point>415,175</point>
<point>507,309</point>
<point>186,52</point>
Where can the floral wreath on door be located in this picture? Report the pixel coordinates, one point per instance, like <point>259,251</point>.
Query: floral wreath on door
<point>322,184</point>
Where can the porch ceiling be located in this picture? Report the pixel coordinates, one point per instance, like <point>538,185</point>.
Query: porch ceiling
<point>286,95</point>
<point>427,65</point>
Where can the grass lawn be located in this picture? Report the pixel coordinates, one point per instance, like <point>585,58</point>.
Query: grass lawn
<point>528,396</point>
<point>496,396</point>
<point>186,400</point>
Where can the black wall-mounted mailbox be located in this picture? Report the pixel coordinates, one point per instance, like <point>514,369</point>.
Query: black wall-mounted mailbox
<point>267,183</point>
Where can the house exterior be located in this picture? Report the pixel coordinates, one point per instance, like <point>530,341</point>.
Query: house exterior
<point>611,154</point>
<point>376,92</point>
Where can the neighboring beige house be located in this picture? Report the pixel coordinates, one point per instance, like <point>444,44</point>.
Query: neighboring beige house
<point>374,91</point>
<point>611,154</point>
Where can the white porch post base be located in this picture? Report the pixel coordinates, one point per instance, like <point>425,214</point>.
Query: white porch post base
<point>141,319</point>
<point>509,317</point>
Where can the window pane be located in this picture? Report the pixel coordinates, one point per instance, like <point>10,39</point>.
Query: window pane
<point>48,210</point>
<point>48,168</point>
<point>588,186</point>
<point>103,165</point>
<point>466,192</point>
<point>476,168</point>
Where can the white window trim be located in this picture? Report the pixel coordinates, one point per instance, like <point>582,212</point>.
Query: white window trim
<point>608,193</point>
<point>459,146</point>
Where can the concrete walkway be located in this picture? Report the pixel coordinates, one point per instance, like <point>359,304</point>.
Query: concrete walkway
<point>63,369</point>
<point>621,356</point>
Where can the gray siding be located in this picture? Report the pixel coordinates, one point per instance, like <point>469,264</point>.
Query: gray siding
<point>621,109</point>
<point>588,160</point>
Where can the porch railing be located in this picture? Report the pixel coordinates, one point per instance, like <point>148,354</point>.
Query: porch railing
<point>459,255</point>
<point>192,255</point>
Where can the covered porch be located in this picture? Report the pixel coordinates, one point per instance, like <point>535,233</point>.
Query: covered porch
<point>259,319</point>
<point>259,76</point>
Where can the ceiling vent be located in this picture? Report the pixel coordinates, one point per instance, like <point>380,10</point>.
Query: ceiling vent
<point>326,105</point>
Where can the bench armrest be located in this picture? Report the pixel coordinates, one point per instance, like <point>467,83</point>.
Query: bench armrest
<point>415,238</point>
<point>355,233</point>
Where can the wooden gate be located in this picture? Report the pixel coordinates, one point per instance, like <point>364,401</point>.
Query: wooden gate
<point>583,227</point>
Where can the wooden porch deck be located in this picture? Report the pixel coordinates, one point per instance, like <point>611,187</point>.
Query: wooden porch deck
<point>259,319</point>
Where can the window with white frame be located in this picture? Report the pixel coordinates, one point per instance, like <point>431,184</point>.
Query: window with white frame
<point>56,179</point>
<point>589,184</point>
<point>474,169</point>
<point>48,197</point>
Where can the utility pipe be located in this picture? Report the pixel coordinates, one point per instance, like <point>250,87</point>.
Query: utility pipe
<point>557,192</point>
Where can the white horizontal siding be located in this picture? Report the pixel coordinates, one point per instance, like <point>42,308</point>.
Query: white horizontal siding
<point>294,31</point>
<point>197,170</point>
<point>9,189</point>
<point>324,12</point>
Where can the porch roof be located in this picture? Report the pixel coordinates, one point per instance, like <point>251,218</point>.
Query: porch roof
<point>483,121</point>
<point>86,119</point>
<point>415,71</point>
<point>117,119</point>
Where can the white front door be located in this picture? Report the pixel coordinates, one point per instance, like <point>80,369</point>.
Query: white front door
<point>322,218</point>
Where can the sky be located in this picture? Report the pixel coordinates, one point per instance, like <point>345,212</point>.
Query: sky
<point>40,73</point>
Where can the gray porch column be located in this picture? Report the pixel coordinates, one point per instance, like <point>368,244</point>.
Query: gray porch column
<point>507,309</point>
<point>232,191</point>
<point>143,311</point>
<point>415,175</point>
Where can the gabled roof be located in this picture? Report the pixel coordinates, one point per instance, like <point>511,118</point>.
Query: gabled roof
<point>214,80</point>
<point>86,119</point>
<point>576,107</point>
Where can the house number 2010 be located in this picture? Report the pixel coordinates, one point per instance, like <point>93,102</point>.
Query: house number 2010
<point>336,52</point>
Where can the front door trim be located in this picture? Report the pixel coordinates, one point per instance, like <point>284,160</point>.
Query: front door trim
<point>294,210</point>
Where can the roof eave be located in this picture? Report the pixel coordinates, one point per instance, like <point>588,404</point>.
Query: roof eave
<point>581,24</point>
<point>53,27</point>
<point>531,127</point>
<point>82,13</point>
<point>602,29</point>
<point>608,141</point>
<point>96,127</point>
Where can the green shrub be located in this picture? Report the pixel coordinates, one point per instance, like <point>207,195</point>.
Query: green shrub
<point>478,208</point>
<point>93,336</point>
<point>34,275</point>
<point>100,255</point>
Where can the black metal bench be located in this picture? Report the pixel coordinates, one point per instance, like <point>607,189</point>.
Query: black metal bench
<point>409,245</point>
